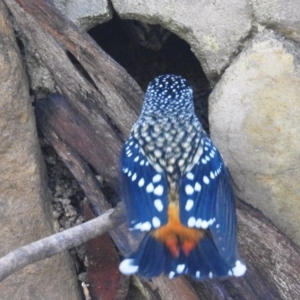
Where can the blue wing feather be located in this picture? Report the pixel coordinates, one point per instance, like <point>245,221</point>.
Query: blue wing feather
<point>145,189</point>
<point>207,200</point>
<point>153,258</point>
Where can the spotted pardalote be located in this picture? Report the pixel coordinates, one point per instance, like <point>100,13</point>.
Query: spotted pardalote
<point>177,190</point>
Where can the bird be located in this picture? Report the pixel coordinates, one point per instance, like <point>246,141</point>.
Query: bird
<point>177,191</point>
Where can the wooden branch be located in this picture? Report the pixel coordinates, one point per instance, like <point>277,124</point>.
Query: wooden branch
<point>119,92</point>
<point>59,242</point>
<point>60,124</point>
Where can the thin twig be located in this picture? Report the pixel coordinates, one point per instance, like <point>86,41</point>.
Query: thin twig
<point>59,242</point>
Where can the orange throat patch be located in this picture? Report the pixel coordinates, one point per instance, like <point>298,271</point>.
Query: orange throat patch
<point>175,235</point>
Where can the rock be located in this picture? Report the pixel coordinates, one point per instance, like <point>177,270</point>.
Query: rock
<point>24,200</point>
<point>85,14</point>
<point>254,120</point>
<point>214,30</point>
<point>280,15</point>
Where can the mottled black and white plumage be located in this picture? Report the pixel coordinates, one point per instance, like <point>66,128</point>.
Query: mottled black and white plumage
<point>177,190</point>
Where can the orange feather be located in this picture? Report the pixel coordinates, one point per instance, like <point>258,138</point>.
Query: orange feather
<point>175,235</point>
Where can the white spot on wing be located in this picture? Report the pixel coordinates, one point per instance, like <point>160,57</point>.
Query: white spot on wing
<point>156,178</point>
<point>127,267</point>
<point>197,187</point>
<point>158,205</point>
<point>239,269</point>
<point>198,274</point>
<point>150,187</point>
<point>189,204</point>
<point>156,222</point>
<point>141,182</point>
<point>145,226</point>
<point>180,268</point>
<point>204,224</point>
<point>159,190</point>
<point>171,274</point>
<point>205,179</point>
<point>133,178</point>
<point>191,222</point>
<point>190,176</point>
<point>189,189</point>
<point>137,226</point>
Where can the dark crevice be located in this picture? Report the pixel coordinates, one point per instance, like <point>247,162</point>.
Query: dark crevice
<point>147,51</point>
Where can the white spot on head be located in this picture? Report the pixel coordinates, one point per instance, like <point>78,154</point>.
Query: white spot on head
<point>133,178</point>
<point>157,153</point>
<point>180,268</point>
<point>127,267</point>
<point>158,205</point>
<point>189,204</point>
<point>170,169</point>
<point>205,179</point>
<point>198,274</point>
<point>239,269</point>
<point>191,222</point>
<point>180,162</point>
<point>197,187</point>
<point>145,226</point>
<point>141,182</point>
<point>156,178</point>
<point>189,189</point>
<point>171,274</point>
<point>150,187</point>
<point>156,222</point>
<point>159,190</point>
<point>190,176</point>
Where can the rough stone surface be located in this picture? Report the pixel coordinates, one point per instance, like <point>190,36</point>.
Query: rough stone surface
<point>23,191</point>
<point>254,115</point>
<point>281,15</point>
<point>214,29</point>
<point>85,14</point>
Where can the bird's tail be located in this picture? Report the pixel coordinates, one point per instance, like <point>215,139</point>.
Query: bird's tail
<point>153,258</point>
